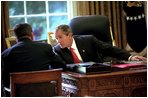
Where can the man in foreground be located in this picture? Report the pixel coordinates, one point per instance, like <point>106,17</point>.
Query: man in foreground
<point>28,55</point>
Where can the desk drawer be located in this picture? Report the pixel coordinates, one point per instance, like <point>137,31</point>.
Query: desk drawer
<point>135,80</point>
<point>107,93</point>
<point>140,91</point>
<point>105,83</point>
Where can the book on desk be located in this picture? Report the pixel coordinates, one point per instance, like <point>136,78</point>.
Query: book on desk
<point>93,67</point>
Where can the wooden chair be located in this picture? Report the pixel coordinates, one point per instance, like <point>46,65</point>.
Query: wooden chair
<point>11,33</point>
<point>10,41</point>
<point>44,83</point>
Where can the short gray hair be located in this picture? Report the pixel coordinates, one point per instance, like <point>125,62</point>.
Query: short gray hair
<point>64,28</point>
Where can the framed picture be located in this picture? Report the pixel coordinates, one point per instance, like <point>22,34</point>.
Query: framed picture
<point>11,33</point>
<point>51,39</point>
<point>10,41</point>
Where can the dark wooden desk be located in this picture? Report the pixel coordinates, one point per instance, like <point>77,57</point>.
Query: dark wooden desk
<point>120,83</point>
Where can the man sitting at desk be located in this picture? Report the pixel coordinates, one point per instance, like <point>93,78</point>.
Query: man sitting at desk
<point>86,48</point>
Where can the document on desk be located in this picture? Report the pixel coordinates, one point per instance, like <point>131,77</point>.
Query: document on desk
<point>131,64</point>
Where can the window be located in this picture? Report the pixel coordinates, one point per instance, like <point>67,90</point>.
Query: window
<point>43,16</point>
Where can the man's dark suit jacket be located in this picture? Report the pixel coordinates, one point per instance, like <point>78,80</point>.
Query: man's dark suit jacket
<point>28,55</point>
<point>91,49</point>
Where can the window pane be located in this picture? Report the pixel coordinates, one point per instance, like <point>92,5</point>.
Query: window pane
<point>57,6</point>
<point>16,8</point>
<point>39,27</point>
<point>35,7</point>
<point>54,21</point>
<point>14,21</point>
<point>43,16</point>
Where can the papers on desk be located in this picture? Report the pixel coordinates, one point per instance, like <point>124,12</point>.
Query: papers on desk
<point>92,67</point>
<point>128,65</point>
<point>131,64</point>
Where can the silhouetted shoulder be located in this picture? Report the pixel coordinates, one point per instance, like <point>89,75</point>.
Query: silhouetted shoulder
<point>57,47</point>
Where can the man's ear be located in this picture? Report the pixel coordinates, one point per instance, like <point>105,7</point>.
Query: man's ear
<point>32,36</point>
<point>70,34</point>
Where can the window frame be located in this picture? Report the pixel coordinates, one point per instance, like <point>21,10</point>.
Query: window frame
<point>69,14</point>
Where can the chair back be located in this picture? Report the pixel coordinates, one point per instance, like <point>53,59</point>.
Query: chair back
<point>96,25</point>
<point>45,83</point>
<point>10,41</point>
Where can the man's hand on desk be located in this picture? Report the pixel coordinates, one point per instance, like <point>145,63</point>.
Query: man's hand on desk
<point>138,58</point>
